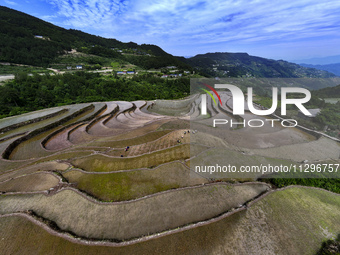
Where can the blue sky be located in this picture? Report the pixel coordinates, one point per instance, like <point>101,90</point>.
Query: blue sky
<point>287,29</point>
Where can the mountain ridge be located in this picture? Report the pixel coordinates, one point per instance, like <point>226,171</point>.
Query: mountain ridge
<point>319,61</point>
<point>32,41</point>
<point>332,68</point>
<point>225,64</point>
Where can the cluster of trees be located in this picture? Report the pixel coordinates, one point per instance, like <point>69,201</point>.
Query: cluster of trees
<point>330,247</point>
<point>29,93</point>
<point>100,51</point>
<point>330,184</point>
<point>72,60</point>
<point>330,92</point>
<point>325,180</point>
<point>30,51</point>
<point>330,115</point>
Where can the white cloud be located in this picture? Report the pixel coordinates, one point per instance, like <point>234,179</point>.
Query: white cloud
<point>10,2</point>
<point>94,14</point>
<point>48,17</point>
<point>198,22</point>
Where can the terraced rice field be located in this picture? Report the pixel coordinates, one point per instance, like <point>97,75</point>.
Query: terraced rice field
<point>33,182</point>
<point>146,215</point>
<point>256,230</point>
<point>104,163</point>
<point>132,141</point>
<point>119,178</point>
<point>131,185</point>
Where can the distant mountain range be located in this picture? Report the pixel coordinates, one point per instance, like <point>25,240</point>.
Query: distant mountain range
<point>25,39</point>
<point>319,61</point>
<point>333,68</point>
<point>244,65</point>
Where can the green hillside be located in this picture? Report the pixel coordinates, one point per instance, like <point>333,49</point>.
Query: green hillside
<point>29,40</point>
<point>331,92</point>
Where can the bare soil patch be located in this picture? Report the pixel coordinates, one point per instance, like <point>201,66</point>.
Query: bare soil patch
<point>32,182</point>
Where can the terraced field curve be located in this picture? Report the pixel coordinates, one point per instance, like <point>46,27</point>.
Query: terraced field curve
<point>122,174</point>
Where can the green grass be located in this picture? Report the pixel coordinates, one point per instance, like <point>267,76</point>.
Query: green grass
<point>302,216</point>
<point>134,184</point>
<point>13,69</point>
<point>115,65</point>
<point>99,163</point>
